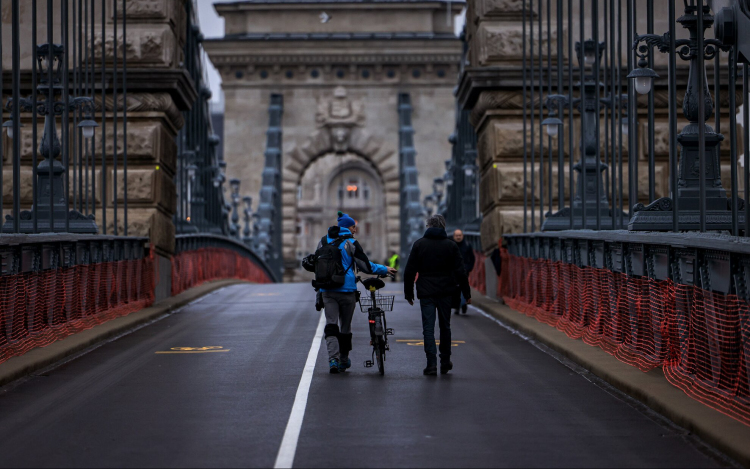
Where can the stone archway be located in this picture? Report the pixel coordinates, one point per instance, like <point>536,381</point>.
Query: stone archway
<point>341,129</point>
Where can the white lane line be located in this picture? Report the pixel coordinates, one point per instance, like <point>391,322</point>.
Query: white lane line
<point>288,447</point>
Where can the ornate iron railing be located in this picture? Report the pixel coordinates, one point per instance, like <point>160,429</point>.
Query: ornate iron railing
<point>71,81</point>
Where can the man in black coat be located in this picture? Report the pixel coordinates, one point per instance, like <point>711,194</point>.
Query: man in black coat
<point>467,254</point>
<point>442,276</point>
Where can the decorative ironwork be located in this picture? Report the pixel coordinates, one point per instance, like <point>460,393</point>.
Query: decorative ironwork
<point>699,187</point>
<point>411,209</point>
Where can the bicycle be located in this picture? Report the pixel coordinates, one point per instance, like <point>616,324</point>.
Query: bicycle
<point>375,306</point>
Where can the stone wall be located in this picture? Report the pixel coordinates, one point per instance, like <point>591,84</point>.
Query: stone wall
<point>158,91</point>
<point>491,87</point>
<point>370,71</point>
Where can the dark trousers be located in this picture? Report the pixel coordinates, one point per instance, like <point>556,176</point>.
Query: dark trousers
<point>440,307</point>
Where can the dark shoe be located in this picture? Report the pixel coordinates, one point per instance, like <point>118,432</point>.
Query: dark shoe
<point>457,311</point>
<point>334,365</point>
<point>344,364</point>
<point>431,370</point>
<point>446,367</point>
<point>464,308</point>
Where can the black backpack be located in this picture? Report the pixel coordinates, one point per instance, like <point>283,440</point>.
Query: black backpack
<point>329,266</point>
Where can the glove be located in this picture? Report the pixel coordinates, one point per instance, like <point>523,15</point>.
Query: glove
<point>308,263</point>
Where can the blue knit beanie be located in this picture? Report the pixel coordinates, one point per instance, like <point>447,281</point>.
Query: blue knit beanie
<point>345,221</point>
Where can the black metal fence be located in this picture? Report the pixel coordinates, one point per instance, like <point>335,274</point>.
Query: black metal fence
<point>459,204</point>
<point>68,77</point>
<point>201,206</point>
<point>591,87</point>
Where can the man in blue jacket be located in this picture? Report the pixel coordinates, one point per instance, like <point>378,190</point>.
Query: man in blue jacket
<point>341,302</point>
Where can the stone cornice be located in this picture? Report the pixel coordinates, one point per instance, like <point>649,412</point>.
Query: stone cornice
<point>474,80</point>
<point>143,102</point>
<point>247,59</point>
<point>243,6</point>
<point>176,82</point>
<point>337,36</point>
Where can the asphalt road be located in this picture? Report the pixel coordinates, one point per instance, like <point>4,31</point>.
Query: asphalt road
<point>506,404</point>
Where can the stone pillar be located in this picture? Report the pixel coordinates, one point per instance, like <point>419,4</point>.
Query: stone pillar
<point>158,90</point>
<point>494,36</point>
<point>491,87</point>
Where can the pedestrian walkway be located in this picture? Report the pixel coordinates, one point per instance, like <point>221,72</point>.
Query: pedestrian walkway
<point>214,385</point>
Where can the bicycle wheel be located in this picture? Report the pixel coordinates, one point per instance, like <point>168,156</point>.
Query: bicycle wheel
<point>380,355</point>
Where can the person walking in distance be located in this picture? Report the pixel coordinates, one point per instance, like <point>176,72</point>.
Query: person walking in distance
<point>442,276</point>
<point>467,254</point>
<point>340,290</point>
<point>393,263</point>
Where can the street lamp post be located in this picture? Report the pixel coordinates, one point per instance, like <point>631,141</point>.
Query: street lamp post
<point>429,205</point>
<point>235,226</point>
<point>248,210</point>
<point>51,210</point>
<point>698,181</point>
<point>438,192</point>
<point>585,208</point>
<point>187,222</point>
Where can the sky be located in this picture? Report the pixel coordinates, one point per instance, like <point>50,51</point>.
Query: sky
<point>212,25</point>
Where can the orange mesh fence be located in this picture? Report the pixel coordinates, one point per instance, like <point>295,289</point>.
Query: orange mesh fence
<point>701,339</point>
<point>192,268</point>
<point>38,308</point>
<point>476,276</point>
<point>503,280</point>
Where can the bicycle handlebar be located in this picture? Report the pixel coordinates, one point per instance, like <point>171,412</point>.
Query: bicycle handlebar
<point>359,279</point>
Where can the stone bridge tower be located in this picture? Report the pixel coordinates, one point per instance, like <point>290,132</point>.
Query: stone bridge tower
<point>340,66</point>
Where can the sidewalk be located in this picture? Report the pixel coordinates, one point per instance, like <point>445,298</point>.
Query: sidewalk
<point>42,357</point>
<point>724,433</point>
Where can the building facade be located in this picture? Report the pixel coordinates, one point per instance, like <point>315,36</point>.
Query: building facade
<point>339,66</point>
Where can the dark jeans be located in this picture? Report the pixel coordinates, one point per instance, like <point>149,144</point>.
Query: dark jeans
<point>443,307</point>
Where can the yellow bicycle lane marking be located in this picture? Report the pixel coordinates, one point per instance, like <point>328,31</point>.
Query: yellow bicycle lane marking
<point>209,349</point>
<point>420,342</point>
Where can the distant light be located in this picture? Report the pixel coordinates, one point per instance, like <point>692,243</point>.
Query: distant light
<point>188,218</point>
<point>324,17</point>
<point>157,167</point>
<point>351,188</point>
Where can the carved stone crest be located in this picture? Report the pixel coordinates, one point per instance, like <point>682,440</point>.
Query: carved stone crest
<point>337,116</point>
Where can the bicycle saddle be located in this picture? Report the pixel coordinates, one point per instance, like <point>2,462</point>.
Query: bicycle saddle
<point>373,282</point>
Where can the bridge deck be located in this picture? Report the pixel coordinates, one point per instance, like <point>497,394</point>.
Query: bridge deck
<point>507,403</point>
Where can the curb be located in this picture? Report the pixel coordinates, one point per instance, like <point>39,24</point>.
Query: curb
<point>718,430</point>
<point>42,357</point>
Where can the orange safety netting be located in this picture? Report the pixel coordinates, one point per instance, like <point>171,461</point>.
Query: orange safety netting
<point>192,268</point>
<point>701,339</point>
<point>477,275</point>
<point>38,308</point>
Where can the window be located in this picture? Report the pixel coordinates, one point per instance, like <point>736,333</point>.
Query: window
<point>353,189</point>
<point>367,228</point>
<point>365,191</point>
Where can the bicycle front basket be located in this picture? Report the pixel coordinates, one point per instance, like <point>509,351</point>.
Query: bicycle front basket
<point>384,302</point>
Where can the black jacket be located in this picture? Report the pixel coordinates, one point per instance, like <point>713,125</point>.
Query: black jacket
<point>467,254</point>
<point>438,261</point>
